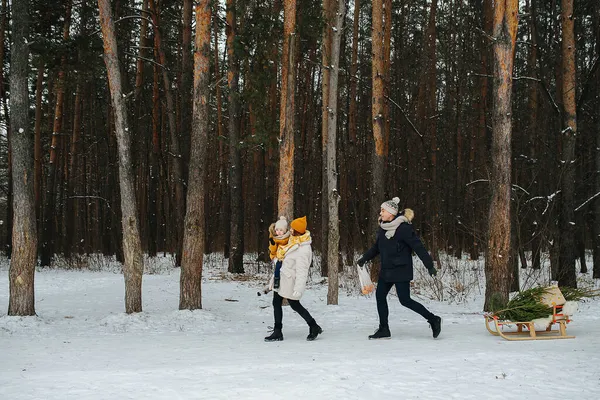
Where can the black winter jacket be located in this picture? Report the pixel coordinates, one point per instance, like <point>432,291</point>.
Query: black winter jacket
<point>396,254</point>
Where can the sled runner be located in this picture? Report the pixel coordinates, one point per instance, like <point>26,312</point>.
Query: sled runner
<point>527,330</point>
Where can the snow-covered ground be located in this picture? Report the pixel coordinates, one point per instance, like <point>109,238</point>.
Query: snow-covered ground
<point>83,346</point>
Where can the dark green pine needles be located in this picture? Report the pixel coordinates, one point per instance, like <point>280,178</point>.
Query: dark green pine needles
<point>527,305</point>
<point>574,294</point>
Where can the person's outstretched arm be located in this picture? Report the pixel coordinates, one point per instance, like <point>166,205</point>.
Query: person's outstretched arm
<point>370,254</point>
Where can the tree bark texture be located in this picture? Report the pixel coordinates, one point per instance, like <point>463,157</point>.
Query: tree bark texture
<point>24,236</point>
<point>187,77</point>
<point>596,223</point>
<point>175,158</point>
<point>497,262</point>
<point>596,229</point>
<point>426,110</point>
<point>142,49</point>
<point>325,88</point>
<point>236,214</point>
<point>377,120</point>
<point>37,152</point>
<point>566,265</point>
<point>193,238</point>
<point>49,227</point>
<point>333,196</point>
<point>9,191</point>
<point>132,247</point>
<point>285,201</point>
<point>353,107</point>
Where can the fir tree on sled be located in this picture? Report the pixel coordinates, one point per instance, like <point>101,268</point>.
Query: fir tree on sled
<point>534,313</point>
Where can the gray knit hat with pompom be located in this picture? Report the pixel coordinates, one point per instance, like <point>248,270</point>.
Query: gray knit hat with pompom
<point>281,224</point>
<point>391,206</point>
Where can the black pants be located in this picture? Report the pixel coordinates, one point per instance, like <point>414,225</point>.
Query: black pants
<point>296,306</point>
<point>403,290</point>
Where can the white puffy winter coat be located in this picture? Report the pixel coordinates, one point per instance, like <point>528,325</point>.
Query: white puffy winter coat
<point>294,269</point>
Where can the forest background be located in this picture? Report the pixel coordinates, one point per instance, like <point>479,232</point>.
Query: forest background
<point>483,117</point>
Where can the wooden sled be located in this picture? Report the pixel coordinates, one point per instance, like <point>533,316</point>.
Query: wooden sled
<point>527,331</point>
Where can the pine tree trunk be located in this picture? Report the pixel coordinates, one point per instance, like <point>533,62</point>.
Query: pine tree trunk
<point>236,214</point>
<point>514,253</point>
<point>49,225</point>
<point>84,170</point>
<point>596,230</point>
<point>219,98</point>
<point>387,67</point>
<point>187,77</point>
<point>24,240</point>
<point>155,205</point>
<point>140,114</point>
<point>63,177</point>
<point>3,94</point>
<point>93,221</point>
<point>37,152</point>
<point>456,99</point>
<point>3,23</point>
<point>328,15</point>
<point>221,192</point>
<point>566,266</point>
<point>73,238</point>
<point>377,114</point>
<point>9,194</point>
<point>534,109</point>
<point>271,184</point>
<point>134,263</point>
<point>353,106</point>
<point>596,209</point>
<point>143,44</point>
<point>72,241</point>
<point>480,137</point>
<point>175,159</point>
<point>555,230</point>
<point>426,116</point>
<point>497,264</point>
<point>333,196</point>
<point>555,158</point>
<point>193,238</point>
<point>351,156</point>
<point>580,239</point>
<point>285,201</point>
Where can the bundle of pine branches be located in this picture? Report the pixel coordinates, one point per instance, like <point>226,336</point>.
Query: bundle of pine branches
<point>527,305</point>
<point>575,294</point>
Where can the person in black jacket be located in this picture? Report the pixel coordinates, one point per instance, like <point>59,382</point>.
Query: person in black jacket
<point>395,242</point>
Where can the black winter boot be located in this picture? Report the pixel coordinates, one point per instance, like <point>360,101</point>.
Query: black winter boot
<point>436,325</point>
<point>276,336</point>
<point>382,333</point>
<point>313,331</point>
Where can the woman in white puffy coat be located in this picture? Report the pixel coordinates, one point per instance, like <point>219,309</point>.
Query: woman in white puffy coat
<point>294,274</point>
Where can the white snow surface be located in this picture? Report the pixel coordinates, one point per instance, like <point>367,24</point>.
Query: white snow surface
<point>82,345</point>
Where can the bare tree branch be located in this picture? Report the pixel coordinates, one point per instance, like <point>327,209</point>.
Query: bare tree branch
<point>405,116</point>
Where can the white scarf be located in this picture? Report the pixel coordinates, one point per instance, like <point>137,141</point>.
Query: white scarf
<point>281,237</point>
<point>390,227</point>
